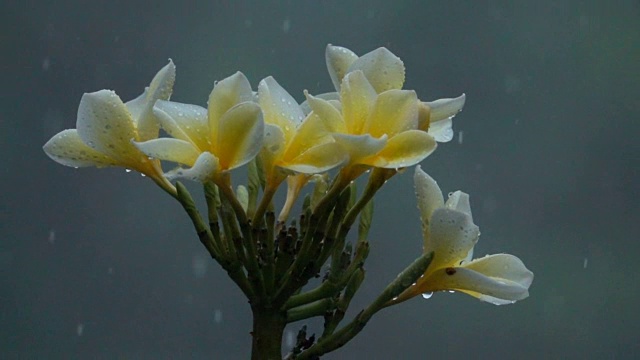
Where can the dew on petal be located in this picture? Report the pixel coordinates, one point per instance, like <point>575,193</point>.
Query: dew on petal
<point>427,295</point>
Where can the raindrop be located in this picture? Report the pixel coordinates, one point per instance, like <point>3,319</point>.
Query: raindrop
<point>460,137</point>
<point>199,266</point>
<point>127,170</point>
<point>427,295</point>
<point>290,339</point>
<point>46,63</point>
<point>585,263</point>
<point>80,329</point>
<point>286,25</point>
<point>217,316</point>
<point>52,236</point>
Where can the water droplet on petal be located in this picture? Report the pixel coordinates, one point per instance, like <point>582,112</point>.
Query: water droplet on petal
<point>427,295</point>
<point>127,170</point>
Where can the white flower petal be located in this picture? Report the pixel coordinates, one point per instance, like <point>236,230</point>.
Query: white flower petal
<point>273,147</point>
<point>161,86</point>
<point>141,107</point>
<point>168,149</point>
<point>226,94</point>
<point>445,108</point>
<point>184,121</point>
<point>330,96</point>
<point>203,169</point>
<point>486,288</point>
<point>360,147</point>
<point>459,201</point>
<point>393,112</point>
<point>279,107</point>
<point>358,98</point>
<point>338,61</point>
<point>403,150</point>
<point>505,267</point>
<point>441,130</point>
<point>104,123</point>
<point>383,69</point>
<point>67,148</point>
<point>240,136</point>
<point>330,116</point>
<point>273,139</point>
<point>428,194</point>
<point>318,159</point>
<point>452,235</point>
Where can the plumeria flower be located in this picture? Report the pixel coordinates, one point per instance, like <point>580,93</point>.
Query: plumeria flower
<point>449,232</point>
<point>385,71</point>
<point>210,141</point>
<point>294,143</point>
<point>106,128</point>
<point>376,129</point>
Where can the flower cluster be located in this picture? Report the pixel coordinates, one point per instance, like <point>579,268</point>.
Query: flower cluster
<point>370,123</point>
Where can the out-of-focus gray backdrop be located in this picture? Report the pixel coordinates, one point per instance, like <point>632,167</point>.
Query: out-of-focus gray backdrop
<point>102,264</point>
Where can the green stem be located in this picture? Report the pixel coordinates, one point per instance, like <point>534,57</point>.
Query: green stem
<point>269,192</point>
<point>251,259</point>
<point>312,235</point>
<point>232,267</point>
<point>268,327</point>
<point>203,231</point>
<point>316,308</point>
<point>349,331</point>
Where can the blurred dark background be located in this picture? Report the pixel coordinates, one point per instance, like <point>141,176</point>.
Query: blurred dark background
<point>102,264</point>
